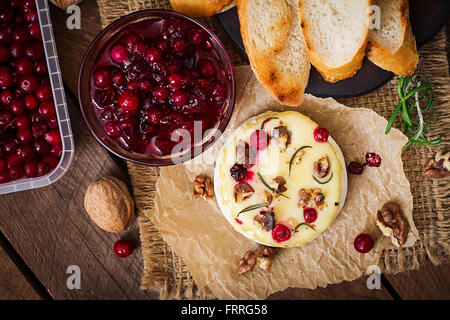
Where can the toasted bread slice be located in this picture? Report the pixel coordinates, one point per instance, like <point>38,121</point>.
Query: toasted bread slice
<point>393,46</point>
<point>274,44</point>
<point>336,34</point>
<point>201,8</point>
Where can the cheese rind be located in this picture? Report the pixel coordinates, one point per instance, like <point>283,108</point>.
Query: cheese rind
<point>273,162</point>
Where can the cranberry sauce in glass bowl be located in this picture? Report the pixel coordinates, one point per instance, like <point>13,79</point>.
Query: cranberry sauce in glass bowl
<point>149,79</point>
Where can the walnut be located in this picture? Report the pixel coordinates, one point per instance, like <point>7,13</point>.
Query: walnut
<point>392,223</point>
<point>281,184</point>
<point>260,256</point>
<point>321,167</point>
<point>439,167</point>
<point>109,204</point>
<point>283,135</point>
<point>64,4</point>
<point>203,187</point>
<point>303,198</point>
<point>242,191</point>
<point>245,154</point>
<point>269,196</point>
<point>266,218</point>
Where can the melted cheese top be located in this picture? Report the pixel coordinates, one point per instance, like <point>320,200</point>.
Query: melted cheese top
<point>273,162</point>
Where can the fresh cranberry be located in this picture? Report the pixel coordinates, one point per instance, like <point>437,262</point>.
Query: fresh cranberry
<point>5,34</point>
<point>41,146</point>
<point>128,101</point>
<point>123,248</point>
<point>44,92</point>
<point>16,50</point>
<point>19,34</point>
<point>175,81</point>
<point>355,167</point>
<point>2,164</point>
<point>25,135</point>
<point>56,150</point>
<point>153,55</point>
<point>132,86</point>
<point>179,45</point>
<point>34,30</point>
<point>179,98</point>
<point>112,129</point>
<point>4,176</point>
<point>154,115</point>
<point>42,168</point>
<point>206,68</point>
<point>4,53</point>
<point>145,86</point>
<point>47,109</point>
<point>238,172</point>
<point>15,172</point>
<point>102,78</point>
<point>28,83</point>
<point>51,160</point>
<point>173,68</point>
<point>40,68</point>
<point>363,243</point>
<point>373,159</point>
<point>31,16</point>
<point>6,78</point>
<point>119,53</point>
<point>6,97</point>
<point>53,136</point>
<point>281,233</point>
<point>130,40</point>
<point>310,214</point>
<point>39,129</point>
<point>24,66</point>
<point>30,169</point>
<point>139,48</point>
<point>259,140</point>
<point>321,134</point>
<point>22,122</point>
<point>17,106</point>
<point>13,160</point>
<point>33,50</point>
<point>196,36</point>
<point>29,5</point>
<point>118,78</point>
<point>6,117</point>
<point>218,92</point>
<point>26,152</point>
<point>9,145</point>
<point>30,102</point>
<point>160,93</point>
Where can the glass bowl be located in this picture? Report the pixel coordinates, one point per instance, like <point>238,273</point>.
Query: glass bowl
<point>87,107</point>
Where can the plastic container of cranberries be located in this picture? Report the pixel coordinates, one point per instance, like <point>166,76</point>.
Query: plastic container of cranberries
<point>106,41</point>
<point>62,113</point>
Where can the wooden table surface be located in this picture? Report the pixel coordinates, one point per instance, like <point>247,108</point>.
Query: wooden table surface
<point>44,231</point>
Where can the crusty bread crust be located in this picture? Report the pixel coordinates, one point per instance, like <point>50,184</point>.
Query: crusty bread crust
<point>404,60</point>
<point>201,8</point>
<point>287,88</point>
<point>331,74</point>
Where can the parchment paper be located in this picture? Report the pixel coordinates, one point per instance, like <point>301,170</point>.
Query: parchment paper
<point>196,230</point>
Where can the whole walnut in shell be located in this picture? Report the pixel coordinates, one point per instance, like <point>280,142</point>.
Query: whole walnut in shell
<point>109,204</point>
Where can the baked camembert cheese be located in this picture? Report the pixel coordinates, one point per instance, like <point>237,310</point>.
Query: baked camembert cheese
<point>280,180</point>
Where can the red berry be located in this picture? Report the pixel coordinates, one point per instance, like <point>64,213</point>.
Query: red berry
<point>39,129</point>
<point>6,78</point>
<point>179,98</point>
<point>42,168</point>
<point>47,109</point>
<point>206,68</point>
<point>44,92</point>
<point>2,164</point>
<point>28,83</point>
<point>119,53</point>
<point>174,81</point>
<point>53,136</point>
<point>17,106</point>
<point>16,50</point>
<point>153,55</point>
<point>321,134</point>
<point>24,66</point>
<point>41,68</point>
<point>41,146</point>
<point>145,86</point>
<point>4,53</point>
<point>160,93</point>
<point>123,248</point>
<point>15,172</point>
<point>19,34</point>
<point>34,30</point>
<point>25,135</point>
<point>259,140</point>
<point>128,101</point>
<point>51,160</point>
<point>310,214</point>
<point>31,16</point>
<point>26,152</point>
<point>33,50</point>
<point>102,78</point>
<point>22,122</point>
<point>154,115</point>
<point>30,169</point>
<point>30,102</point>
<point>118,78</point>
<point>281,233</point>
<point>196,36</point>
<point>4,176</point>
<point>6,97</point>
<point>112,129</point>
<point>355,167</point>
<point>179,45</point>
<point>363,243</point>
<point>13,160</point>
<point>373,159</point>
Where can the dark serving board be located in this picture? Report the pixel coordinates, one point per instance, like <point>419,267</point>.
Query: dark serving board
<point>427,18</point>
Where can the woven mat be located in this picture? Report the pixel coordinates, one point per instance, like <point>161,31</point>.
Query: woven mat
<point>165,271</point>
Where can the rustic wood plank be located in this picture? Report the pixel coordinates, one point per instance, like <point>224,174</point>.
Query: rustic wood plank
<point>13,284</point>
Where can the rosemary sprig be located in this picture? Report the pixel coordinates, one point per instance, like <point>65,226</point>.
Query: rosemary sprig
<point>416,109</point>
<point>323,182</point>
<point>302,224</point>
<point>253,207</point>
<point>267,120</point>
<point>293,156</point>
<point>269,187</point>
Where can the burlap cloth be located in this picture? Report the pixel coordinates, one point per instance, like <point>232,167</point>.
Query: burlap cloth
<point>165,271</point>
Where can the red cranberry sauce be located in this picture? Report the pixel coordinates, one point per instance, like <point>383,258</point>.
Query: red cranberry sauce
<point>155,78</point>
<point>30,142</point>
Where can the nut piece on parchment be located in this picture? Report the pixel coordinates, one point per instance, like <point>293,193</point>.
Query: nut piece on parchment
<point>64,4</point>
<point>260,257</point>
<point>203,187</point>
<point>392,223</point>
<point>439,167</point>
<point>109,204</point>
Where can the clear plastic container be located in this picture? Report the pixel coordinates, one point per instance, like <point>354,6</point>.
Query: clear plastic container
<point>61,110</point>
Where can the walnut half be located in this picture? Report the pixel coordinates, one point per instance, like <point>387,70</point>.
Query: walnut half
<point>203,187</point>
<point>438,167</point>
<point>260,257</point>
<point>392,223</point>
